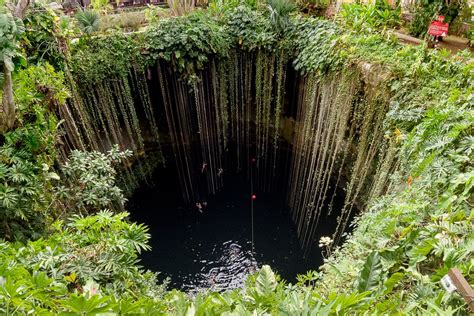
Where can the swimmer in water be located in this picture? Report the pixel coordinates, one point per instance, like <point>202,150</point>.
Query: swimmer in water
<point>220,172</point>
<point>199,207</point>
<point>204,166</point>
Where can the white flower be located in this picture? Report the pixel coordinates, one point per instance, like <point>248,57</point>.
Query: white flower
<point>325,241</point>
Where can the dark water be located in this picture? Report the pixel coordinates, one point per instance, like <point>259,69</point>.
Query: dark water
<point>213,249</point>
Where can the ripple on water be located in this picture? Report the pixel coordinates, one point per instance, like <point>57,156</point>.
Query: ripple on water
<point>228,272</point>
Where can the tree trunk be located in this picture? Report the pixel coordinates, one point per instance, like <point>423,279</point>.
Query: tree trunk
<point>20,9</point>
<point>7,111</point>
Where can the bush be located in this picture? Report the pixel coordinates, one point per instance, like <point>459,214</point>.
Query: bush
<point>379,16</point>
<point>28,153</point>
<point>86,265</point>
<point>89,181</point>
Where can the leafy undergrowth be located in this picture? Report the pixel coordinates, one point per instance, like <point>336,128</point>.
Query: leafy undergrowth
<point>423,226</point>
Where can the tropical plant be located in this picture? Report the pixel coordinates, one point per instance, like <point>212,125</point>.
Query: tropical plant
<point>378,16</point>
<point>85,265</point>
<point>44,36</point>
<point>27,154</point>
<point>39,87</point>
<point>89,181</point>
<point>88,21</point>
<point>369,277</point>
<point>280,11</point>
<point>250,29</point>
<point>22,190</point>
<point>187,42</point>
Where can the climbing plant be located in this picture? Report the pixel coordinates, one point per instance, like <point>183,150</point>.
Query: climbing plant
<point>41,39</point>
<point>187,43</point>
<point>250,29</point>
<point>94,60</point>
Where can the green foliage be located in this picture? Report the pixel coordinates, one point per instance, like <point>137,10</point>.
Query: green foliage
<point>99,58</point>
<point>279,13</point>
<point>39,89</point>
<point>250,29</point>
<point>30,191</point>
<point>369,16</point>
<point>266,281</point>
<point>88,21</point>
<point>42,38</point>
<point>321,36</point>
<point>370,274</point>
<point>11,29</point>
<point>187,43</point>
<point>89,181</point>
<point>86,265</point>
<point>23,185</point>
<point>27,154</point>
<point>417,227</point>
<point>402,245</point>
<point>422,18</point>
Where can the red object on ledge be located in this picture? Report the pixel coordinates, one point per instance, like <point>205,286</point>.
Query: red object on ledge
<point>439,28</point>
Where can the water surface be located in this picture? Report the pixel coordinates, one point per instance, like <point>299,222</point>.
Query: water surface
<point>213,249</point>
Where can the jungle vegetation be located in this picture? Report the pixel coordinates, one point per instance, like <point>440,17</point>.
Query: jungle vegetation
<point>400,118</point>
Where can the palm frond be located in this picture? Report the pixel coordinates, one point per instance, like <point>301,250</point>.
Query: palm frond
<point>88,21</point>
<point>279,13</point>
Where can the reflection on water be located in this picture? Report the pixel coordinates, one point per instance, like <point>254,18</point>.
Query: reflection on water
<point>228,271</point>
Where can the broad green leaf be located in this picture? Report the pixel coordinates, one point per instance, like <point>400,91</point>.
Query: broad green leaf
<point>370,275</point>
<point>392,282</point>
<point>266,281</point>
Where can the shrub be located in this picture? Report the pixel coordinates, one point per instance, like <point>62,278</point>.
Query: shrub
<point>89,181</point>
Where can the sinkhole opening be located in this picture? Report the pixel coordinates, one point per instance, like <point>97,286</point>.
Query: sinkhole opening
<point>246,125</point>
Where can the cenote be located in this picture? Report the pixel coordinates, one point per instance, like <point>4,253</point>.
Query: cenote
<point>310,149</point>
<point>240,158</point>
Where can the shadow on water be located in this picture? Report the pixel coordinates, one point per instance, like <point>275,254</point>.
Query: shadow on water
<point>213,249</point>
